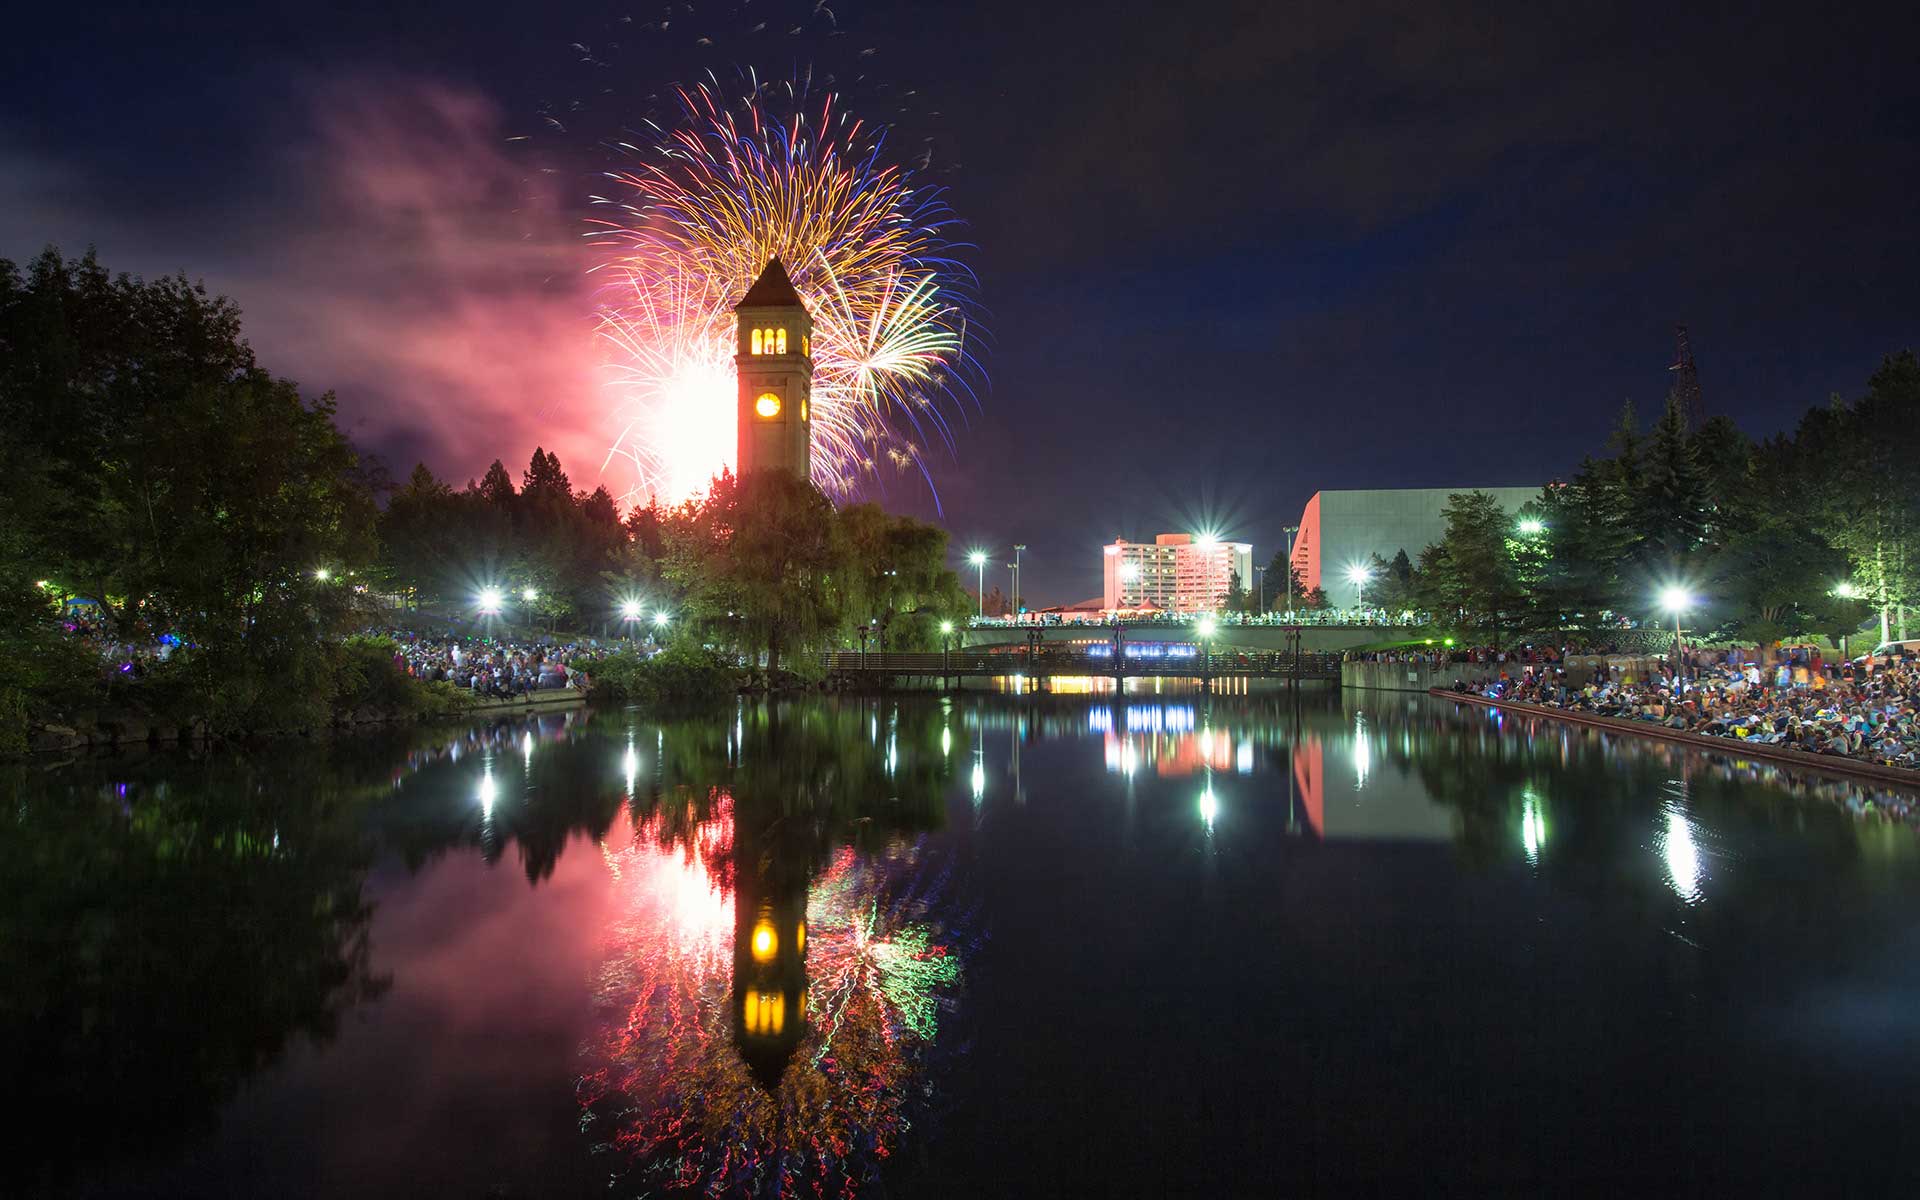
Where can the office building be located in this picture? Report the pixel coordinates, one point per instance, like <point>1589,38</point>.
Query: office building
<point>1176,572</point>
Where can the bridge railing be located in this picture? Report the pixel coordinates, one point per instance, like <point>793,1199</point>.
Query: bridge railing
<point>1052,661</point>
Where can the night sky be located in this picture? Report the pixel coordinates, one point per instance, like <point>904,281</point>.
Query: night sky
<point>1229,254</point>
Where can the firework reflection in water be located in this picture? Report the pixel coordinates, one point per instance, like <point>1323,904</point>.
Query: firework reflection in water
<point>665,1087</point>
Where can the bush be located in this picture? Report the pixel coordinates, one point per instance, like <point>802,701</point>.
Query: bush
<point>366,675</point>
<point>681,672</point>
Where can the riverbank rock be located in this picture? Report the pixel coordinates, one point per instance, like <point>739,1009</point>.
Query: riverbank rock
<point>54,737</point>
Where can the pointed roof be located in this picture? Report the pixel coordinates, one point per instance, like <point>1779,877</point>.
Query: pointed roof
<point>772,290</point>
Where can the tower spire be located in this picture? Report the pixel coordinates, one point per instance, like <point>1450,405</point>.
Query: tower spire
<point>1685,389</point>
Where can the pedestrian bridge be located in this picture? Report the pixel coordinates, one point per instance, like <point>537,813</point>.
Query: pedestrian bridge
<point>1272,638</point>
<point>1036,660</point>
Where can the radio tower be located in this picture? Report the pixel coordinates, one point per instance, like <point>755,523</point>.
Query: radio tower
<point>1686,381</point>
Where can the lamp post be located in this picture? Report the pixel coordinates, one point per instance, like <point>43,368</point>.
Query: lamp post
<point>629,613</point>
<point>1260,573</point>
<point>1359,575</point>
<point>1846,590</point>
<point>1013,589</point>
<point>1291,531</point>
<point>946,650</point>
<point>1676,601</point>
<point>1017,548</point>
<point>1207,627</point>
<point>979,560</point>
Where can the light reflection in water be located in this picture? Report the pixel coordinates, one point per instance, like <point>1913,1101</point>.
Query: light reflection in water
<point>1362,752</point>
<point>1682,855</point>
<point>1533,827</point>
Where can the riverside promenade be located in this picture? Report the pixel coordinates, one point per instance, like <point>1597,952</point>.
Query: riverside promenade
<point>1831,764</point>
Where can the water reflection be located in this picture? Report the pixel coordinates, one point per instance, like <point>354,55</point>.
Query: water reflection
<point>775,958</point>
<point>781,953</point>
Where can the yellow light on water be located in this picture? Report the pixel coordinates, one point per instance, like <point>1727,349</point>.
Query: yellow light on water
<point>764,941</point>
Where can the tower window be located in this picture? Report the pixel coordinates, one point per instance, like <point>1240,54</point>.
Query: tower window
<point>782,340</point>
<point>756,341</point>
<point>767,405</point>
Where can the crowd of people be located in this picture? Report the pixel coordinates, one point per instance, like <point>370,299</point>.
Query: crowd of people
<point>1867,710</point>
<point>492,668</point>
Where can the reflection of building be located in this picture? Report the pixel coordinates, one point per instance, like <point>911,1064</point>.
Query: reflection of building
<point>769,957</point>
<point>1178,572</point>
<point>1341,530</point>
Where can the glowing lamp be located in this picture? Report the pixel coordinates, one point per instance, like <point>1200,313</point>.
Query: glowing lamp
<point>1207,627</point>
<point>764,941</point>
<point>978,558</point>
<point>1675,599</point>
<point>529,595</point>
<point>661,619</point>
<point>1358,574</point>
<point>767,405</point>
<point>1531,527</point>
<point>946,627</point>
<point>1846,591</point>
<point>320,573</point>
<point>630,609</point>
<point>490,600</point>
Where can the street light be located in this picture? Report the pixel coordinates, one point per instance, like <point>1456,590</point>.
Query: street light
<point>1676,601</point>
<point>1846,590</point>
<point>322,574</point>
<point>660,620</point>
<point>979,560</point>
<point>1358,574</point>
<point>1291,531</point>
<point>1533,527</point>
<point>529,595</point>
<point>490,600</point>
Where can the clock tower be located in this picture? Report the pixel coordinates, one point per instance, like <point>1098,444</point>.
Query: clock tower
<point>774,358</point>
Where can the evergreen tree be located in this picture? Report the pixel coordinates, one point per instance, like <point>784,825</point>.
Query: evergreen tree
<point>1671,511</point>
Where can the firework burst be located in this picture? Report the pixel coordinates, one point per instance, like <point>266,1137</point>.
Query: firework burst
<point>779,173</point>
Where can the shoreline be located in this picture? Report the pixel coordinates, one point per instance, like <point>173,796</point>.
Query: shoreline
<point>1823,763</point>
<point>132,731</point>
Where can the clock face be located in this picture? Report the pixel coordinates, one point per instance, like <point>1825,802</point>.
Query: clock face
<point>768,405</point>
<point>803,408</point>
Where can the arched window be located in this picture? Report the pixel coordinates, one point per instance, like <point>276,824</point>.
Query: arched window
<point>783,342</point>
<point>756,341</point>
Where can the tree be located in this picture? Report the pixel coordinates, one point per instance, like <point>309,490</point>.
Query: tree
<point>759,563</point>
<point>1471,568</point>
<point>1237,599</point>
<point>1868,494</point>
<point>158,471</point>
<point>1672,506</point>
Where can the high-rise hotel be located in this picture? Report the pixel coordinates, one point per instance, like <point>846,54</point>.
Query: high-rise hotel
<point>1176,572</point>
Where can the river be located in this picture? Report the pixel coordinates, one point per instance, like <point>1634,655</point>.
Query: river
<point>978,945</point>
